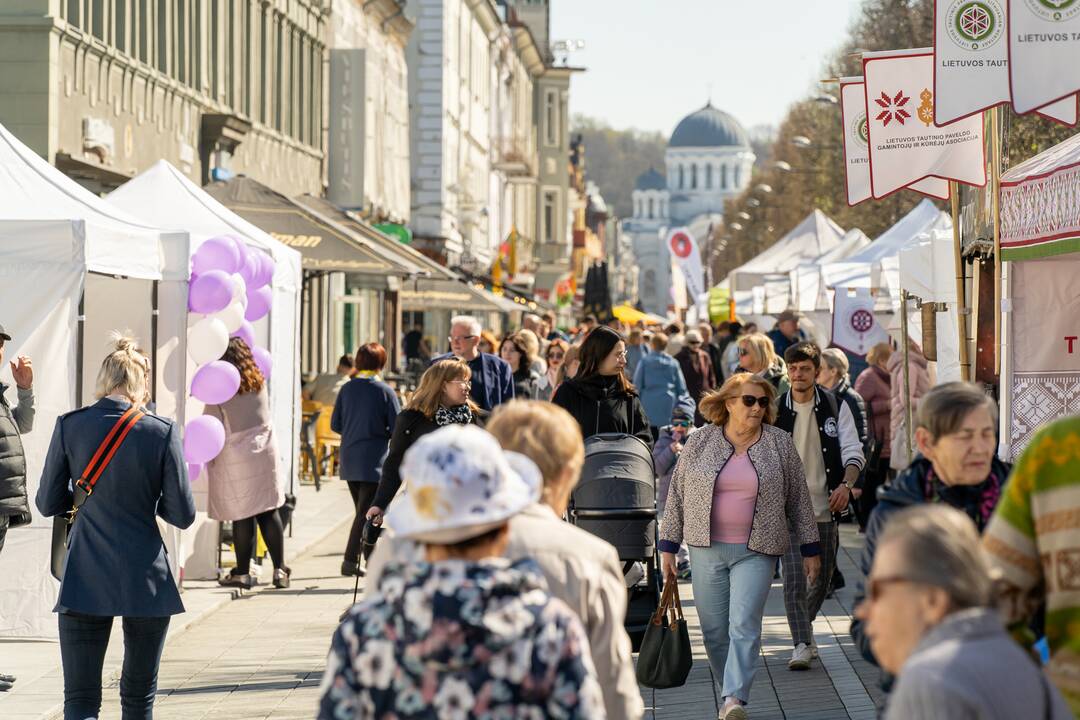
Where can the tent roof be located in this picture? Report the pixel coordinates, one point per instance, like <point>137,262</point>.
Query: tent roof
<point>1063,155</point>
<point>853,242</point>
<point>324,244</point>
<point>923,218</point>
<point>1039,214</point>
<point>809,240</point>
<point>115,243</point>
<point>169,196</point>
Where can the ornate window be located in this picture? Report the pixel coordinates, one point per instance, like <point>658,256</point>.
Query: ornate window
<point>682,177</point>
<point>708,177</point>
<point>723,177</point>
<point>693,177</point>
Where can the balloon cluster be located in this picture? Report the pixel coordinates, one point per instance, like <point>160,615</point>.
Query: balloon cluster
<point>229,290</point>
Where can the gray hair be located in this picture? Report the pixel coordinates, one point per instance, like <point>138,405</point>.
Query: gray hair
<point>941,547</point>
<point>836,360</point>
<point>942,410</point>
<point>474,325</point>
<point>125,370</point>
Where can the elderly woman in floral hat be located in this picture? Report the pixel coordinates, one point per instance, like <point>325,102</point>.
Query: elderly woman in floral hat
<point>463,632</point>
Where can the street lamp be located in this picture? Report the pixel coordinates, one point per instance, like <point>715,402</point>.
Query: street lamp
<point>825,99</point>
<point>804,143</point>
<point>753,202</point>
<point>736,226</point>
<point>763,189</point>
<point>743,215</point>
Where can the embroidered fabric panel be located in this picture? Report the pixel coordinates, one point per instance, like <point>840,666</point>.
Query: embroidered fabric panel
<point>1042,208</point>
<point>1038,398</point>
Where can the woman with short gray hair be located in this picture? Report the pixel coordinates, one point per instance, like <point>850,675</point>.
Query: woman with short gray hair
<point>956,465</point>
<point>928,620</point>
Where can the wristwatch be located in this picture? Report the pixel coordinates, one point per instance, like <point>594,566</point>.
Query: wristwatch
<point>850,485</point>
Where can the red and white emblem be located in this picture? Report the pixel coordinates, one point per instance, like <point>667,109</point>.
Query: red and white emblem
<point>681,245</point>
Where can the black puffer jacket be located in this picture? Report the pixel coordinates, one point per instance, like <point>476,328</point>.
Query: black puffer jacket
<point>13,422</point>
<point>600,405</point>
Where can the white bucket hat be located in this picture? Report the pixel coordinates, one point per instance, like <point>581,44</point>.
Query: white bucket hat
<point>459,483</point>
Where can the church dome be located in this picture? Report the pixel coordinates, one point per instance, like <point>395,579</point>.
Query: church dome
<point>709,127</point>
<point>651,179</point>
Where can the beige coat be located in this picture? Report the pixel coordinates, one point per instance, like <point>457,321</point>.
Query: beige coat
<point>581,570</point>
<point>243,479</point>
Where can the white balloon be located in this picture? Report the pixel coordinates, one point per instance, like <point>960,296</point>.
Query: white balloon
<point>239,292</point>
<point>232,317</point>
<point>208,340</point>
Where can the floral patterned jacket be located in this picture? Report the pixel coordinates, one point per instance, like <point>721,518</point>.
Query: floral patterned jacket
<point>459,640</point>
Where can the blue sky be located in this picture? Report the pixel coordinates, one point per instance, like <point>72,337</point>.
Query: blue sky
<point>650,62</point>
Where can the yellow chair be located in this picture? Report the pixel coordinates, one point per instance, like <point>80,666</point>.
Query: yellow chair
<point>326,439</point>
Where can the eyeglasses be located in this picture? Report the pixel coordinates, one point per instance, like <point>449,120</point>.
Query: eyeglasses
<point>461,338</point>
<point>622,355</point>
<point>463,383</point>
<point>876,586</point>
<point>751,400</point>
<point>743,352</point>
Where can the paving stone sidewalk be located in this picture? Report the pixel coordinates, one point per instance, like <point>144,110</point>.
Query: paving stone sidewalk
<point>262,656</point>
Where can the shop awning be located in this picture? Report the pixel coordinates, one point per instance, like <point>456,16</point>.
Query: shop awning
<point>378,241</point>
<point>323,243</point>
<point>632,315</point>
<point>427,294</point>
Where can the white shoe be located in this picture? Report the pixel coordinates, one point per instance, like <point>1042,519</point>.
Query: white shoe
<point>800,658</point>
<point>734,711</point>
<point>813,650</point>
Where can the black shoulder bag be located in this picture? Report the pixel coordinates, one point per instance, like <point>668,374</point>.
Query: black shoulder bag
<point>84,487</point>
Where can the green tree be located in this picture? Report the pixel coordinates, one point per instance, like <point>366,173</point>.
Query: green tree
<point>615,158</point>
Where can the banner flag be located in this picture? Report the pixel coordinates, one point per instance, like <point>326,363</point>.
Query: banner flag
<point>1044,44</point>
<point>684,251</point>
<point>855,327</point>
<point>971,62</point>
<point>857,149</point>
<point>904,143</point>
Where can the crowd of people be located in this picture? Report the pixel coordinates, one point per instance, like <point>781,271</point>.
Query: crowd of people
<point>481,600</point>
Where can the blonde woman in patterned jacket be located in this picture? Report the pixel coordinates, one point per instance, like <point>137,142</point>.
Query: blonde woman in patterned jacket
<point>736,524</point>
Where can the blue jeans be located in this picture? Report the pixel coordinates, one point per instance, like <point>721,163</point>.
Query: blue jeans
<point>83,642</point>
<point>731,584</point>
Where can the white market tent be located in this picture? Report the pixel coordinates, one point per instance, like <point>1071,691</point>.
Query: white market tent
<point>808,286</point>
<point>763,285</point>
<point>873,266</point>
<point>66,254</point>
<point>1040,247</point>
<point>167,196</point>
<point>927,270</point>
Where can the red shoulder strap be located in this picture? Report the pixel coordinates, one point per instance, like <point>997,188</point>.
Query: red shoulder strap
<point>108,448</point>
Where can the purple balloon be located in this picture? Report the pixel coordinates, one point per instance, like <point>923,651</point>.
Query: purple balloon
<point>246,333</point>
<point>193,471</point>
<point>259,301</point>
<point>263,360</point>
<point>215,382</point>
<point>266,270</point>
<point>249,269</point>
<point>210,292</point>
<point>217,253</point>
<point>204,437</point>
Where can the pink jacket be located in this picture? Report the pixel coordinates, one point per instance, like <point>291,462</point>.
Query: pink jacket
<point>873,384</point>
<point>919,378</point>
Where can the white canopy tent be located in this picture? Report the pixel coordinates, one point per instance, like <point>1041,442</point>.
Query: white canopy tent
<point>872,266</point>
<point>66,255</point>
<point>809,293</point>
<point>927,270</point>
<point>816,235</point>
<point>167,196</point>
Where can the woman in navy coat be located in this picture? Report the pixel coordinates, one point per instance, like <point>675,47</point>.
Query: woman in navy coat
<point>116,564</point>
<point>364,415</point>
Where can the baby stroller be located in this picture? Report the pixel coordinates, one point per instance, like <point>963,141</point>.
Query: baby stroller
<point>616,501</point>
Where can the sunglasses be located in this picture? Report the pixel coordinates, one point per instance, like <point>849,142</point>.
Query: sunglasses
<point>751,400</point>
<point>555,356</point>
<point>743,352</point>
<point>681,424</point>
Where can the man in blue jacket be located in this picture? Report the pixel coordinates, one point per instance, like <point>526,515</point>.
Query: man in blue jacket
<point>492,379</point>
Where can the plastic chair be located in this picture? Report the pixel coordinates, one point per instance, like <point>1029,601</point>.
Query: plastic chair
<point>326,439</point>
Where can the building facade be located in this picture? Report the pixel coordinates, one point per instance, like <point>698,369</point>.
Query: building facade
<point>105,88</point>
<point>708,160</point>
<point>368,161</point>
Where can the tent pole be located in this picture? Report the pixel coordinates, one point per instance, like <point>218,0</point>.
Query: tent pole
<point>80,342</point>
<point>995,193</point>
<point>154,316</point>
<point>961,304</point>
<point>907,370</point>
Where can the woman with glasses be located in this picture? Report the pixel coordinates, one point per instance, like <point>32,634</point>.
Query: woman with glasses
<point>555,356</point>
<point>757,356</point>
<point>736,522</point>
<point>442,399</point>
<point>600,397</point>
<point>929,617</point>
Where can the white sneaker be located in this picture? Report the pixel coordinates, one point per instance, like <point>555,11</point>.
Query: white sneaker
<point>800,658</point>
<point>733,711</point>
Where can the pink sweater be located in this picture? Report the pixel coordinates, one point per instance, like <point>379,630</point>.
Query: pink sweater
<point>734,498</point>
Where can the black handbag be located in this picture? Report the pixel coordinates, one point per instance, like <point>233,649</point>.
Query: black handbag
<point>84,488</point>
<point>666,656</point>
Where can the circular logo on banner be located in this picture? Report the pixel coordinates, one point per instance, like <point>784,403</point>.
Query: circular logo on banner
<point>859,130</point>
<point>1055,10</point>
<point>862,321</point>
<point>975,24</point>
<point>681,245</point>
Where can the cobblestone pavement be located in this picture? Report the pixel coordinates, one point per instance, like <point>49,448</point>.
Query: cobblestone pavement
<point>261,656</point>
